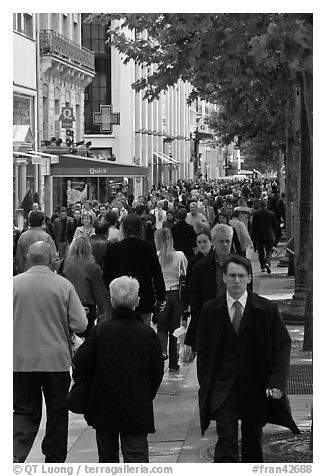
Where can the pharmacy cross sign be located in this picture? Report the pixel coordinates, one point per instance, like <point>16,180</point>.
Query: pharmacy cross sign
<point>106,118</point>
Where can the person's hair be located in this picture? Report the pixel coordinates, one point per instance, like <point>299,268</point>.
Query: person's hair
<point>101,227</point>
<point>263,203</point>
<point>63,209</point>
<point>223,215</point>
<point>124,292</point>
<point>102,205</point>
<point>140,209</point>
<point>164,246</point>
<point>87,214</point>
<point>182,214</point>
<point>221,228</point>
<point>111,217</point>
<point>240,260</point>
<point>80,249</point>
<point>36,218</point>
<point>39,253</point>
<point>169,210</point>
<point>204,230</point>
<point>132,225</point>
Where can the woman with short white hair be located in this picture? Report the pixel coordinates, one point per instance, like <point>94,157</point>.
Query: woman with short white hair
<point>124,358</point>
<point>124,292</point>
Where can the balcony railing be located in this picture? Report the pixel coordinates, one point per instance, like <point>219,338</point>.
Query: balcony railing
<point>52,43</point>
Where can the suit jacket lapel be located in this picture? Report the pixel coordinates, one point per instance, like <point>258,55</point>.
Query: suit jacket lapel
<point>246,318</point>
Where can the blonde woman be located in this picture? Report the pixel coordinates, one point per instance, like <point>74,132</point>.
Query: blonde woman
<point>87,229</point>
<point>80,268</point>
<point>173,263</point>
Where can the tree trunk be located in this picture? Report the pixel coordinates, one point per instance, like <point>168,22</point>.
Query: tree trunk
<point>292,161</point>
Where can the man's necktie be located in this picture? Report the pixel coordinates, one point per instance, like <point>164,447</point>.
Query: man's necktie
<point>237,316</point>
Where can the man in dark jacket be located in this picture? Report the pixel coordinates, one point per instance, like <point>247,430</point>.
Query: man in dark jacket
<point>264,230</point>
<point>125,358</point>
<point>99,241</point>
<point>184,236</point>
<point>60,228</point>
<point>136,257</point>
<point>243,360</point>
<point>206,280</point>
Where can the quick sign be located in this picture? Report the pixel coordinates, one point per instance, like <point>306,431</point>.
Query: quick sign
<point>67,117</point>
<point>97,171</point>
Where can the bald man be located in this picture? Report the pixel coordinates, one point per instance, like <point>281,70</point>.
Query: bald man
<point>46,311</point>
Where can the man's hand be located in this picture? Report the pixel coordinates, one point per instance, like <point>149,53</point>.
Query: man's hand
<point>274,393</point>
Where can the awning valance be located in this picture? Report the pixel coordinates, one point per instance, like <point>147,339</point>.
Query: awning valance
<point>71,165</point>
<point>165,158</point>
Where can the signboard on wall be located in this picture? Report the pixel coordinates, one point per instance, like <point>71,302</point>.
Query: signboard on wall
<point>138,187</point>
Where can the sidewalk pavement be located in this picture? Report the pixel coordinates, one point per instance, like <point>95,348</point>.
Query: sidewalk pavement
<point>178,437</point>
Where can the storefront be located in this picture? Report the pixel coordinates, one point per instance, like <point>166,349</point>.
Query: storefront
<point>77,178</point>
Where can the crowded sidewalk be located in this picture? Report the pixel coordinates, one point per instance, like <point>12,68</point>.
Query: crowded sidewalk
<point>178,437</point>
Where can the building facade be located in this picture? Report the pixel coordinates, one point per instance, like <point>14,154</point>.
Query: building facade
<point>80,129</point>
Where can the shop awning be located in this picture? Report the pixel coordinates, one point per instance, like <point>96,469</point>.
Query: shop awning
<point>34,156</point>
<point>71,165</point>
<point>165,158</point>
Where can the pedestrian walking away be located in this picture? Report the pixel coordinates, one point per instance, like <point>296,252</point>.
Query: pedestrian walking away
<point>136,257</point>
<point>86,276</point>
<point>264,232</point>
<point>46,311</point>
<point>125,360</point>
<point>173,264</point>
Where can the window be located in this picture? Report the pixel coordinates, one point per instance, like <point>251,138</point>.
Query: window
<point>22,110</point>
<point>97,93</point>
<point>94,36</point>
<point>23,22</point>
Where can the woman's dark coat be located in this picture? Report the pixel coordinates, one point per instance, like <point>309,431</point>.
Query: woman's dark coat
<point>273,345</point>
<point>126,358</point>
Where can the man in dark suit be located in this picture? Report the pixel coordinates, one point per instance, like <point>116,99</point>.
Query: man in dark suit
<point>136,257</point>
<point>207,211</point>
<point>243,358</point>
<point>264,229</point>
<point>184,236</point>
<point>207,277</point>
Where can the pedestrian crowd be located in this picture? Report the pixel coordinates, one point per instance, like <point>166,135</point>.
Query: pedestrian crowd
<point>127,281</point>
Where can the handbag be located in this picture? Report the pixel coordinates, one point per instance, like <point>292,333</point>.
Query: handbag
<point>77,398</point>
<point>78,395</point>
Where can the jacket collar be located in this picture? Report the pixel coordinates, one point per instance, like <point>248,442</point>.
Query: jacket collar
<point>253,298</point>
<point>126,313</point>
<point>40,267</point>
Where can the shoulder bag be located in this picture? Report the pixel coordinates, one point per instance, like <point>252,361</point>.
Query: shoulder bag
<point>78,395</point>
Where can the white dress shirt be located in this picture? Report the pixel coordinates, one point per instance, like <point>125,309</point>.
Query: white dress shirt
<point>230,300</point>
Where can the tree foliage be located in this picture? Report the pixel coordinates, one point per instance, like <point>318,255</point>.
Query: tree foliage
<point>247,63</point>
